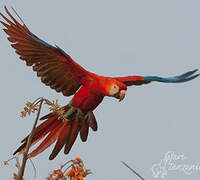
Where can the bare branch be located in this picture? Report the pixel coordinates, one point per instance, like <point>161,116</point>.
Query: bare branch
<point>133,170</point>
<point>25,153</point>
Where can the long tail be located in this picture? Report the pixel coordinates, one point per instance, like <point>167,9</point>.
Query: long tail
<point>176,79</point>
<point>63,132</point>
<point>139,80</point>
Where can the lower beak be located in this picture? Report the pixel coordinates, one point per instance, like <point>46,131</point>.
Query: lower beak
<point>122,94</point>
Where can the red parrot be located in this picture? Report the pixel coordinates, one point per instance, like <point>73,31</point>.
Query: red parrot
<point>59,71</point>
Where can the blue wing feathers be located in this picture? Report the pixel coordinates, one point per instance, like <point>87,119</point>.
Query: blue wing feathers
<point>47,44</point>
<point>40,40</point>
<point>176,79</point>
<point>61,50</point>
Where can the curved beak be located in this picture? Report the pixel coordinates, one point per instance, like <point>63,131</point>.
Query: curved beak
<point>122,94</point>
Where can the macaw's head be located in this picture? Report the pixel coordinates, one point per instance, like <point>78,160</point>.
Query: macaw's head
<point>116,89</point>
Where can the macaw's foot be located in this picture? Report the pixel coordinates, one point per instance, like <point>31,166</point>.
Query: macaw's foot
<point>79,114</point>
<point>89,116</point>
<point>73,113</point>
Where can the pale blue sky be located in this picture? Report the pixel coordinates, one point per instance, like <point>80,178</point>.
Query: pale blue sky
<point>112,37</point>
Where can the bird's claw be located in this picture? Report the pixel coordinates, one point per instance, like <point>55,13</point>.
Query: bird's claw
<point>79,114</point>
<point>73,113</point>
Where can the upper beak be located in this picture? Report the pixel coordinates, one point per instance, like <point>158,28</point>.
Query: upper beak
<point>122,94</point>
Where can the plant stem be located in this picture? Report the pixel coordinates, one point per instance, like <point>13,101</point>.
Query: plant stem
<point>25,153</point>
<point>133,170</point>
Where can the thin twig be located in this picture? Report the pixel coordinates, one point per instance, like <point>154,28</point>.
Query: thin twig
<point>66,163</point>
<point>67,168</point>
<point>17,163</point>
<point>132,170</point>
<point>25,153</point>
<point>6,162</point>
<point>34,168</point>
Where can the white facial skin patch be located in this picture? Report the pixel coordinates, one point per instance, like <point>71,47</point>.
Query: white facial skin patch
<point>114,89</point>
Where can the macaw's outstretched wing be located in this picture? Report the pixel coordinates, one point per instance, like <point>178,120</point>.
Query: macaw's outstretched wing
<point>139,80</point>
<point>56,68</point>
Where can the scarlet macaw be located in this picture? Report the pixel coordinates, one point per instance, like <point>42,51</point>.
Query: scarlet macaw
<point>59,71</point>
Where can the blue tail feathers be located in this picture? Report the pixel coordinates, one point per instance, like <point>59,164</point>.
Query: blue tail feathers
<point>176,79</point>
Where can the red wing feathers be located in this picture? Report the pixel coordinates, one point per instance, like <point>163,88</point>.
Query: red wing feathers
<point>84,130</point>
<point>62,139</point>
<point>59,131</point>
<point>75,128</point>
<point>92,121</point>
<point>132,80</point>
<point>56,68</point>
<point>50,139</point>
<point>41,131</point>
